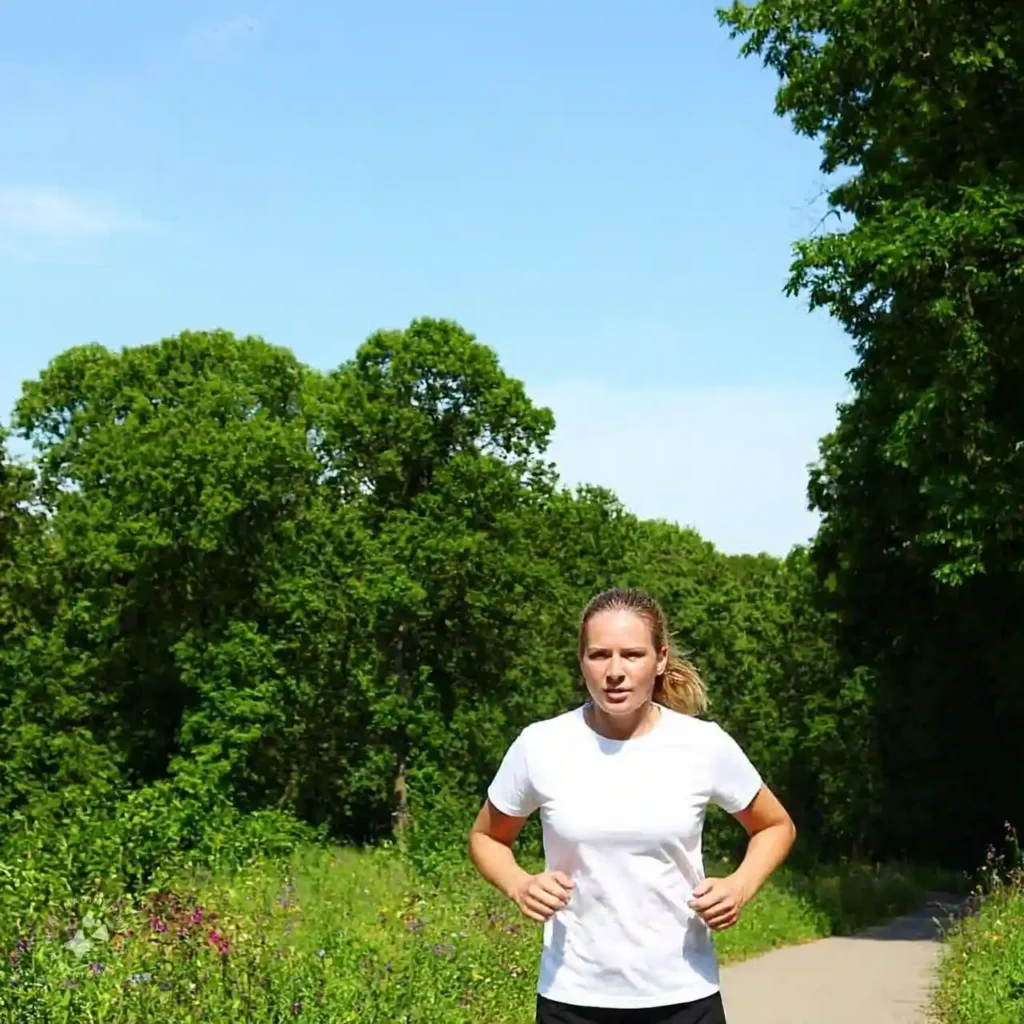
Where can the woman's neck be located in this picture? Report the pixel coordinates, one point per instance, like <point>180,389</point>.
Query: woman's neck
<point>622,727</point>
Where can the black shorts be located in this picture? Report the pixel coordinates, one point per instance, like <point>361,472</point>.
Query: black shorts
<point>702,1011</point>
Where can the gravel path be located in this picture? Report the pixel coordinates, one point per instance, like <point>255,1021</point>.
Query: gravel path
<point>882,976</point>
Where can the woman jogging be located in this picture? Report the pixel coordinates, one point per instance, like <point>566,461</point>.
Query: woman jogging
<point>622,784</point>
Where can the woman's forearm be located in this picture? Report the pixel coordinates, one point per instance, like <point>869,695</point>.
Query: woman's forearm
<point>496,863</point>
<point>766,850</point>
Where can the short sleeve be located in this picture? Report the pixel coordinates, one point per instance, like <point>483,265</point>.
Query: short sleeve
<point>511,791</point>
<point>734,780</point>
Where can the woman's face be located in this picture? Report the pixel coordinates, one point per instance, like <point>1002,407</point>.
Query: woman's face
<point>619,661</point>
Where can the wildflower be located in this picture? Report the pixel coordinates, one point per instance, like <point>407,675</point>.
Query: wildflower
<point>140,979</point>
<point>321,953</point>
<point>156,924</point>
<point>297,1007</point>
<point>219,942</point>
<point>415,925</point>
<point>96,968</point>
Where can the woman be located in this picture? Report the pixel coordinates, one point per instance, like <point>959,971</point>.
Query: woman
<point>622,784</point>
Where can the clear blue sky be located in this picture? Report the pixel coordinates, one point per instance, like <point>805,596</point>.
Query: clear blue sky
<point>599,190</point>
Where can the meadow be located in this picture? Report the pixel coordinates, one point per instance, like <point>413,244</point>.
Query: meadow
<point>335,934</point>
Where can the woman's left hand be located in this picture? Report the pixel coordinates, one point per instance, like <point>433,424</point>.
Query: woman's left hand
<point>718,901</point>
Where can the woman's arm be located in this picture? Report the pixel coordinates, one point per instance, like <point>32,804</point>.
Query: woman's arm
<point>490,850</point>
<point>719,901</point>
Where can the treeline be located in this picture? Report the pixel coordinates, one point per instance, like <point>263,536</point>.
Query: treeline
<point>236,590</point>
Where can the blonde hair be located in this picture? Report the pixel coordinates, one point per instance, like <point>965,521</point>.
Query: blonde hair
<point>680,686</point>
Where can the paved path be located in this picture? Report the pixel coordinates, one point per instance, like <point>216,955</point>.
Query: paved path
<point>880,977</point>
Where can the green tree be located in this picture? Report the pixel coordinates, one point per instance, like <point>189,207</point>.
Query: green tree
<point>440,453</point>
<point>172,477</point>
<point>922,482</point>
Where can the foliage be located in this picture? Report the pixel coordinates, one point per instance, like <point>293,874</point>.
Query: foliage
<point>921,484</point>
<point>981,975</point>
<point>330,935</point>
<point>247,599</point>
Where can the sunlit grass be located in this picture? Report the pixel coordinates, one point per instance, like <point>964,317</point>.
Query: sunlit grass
<point>981,975</point>
<point>342,935</point>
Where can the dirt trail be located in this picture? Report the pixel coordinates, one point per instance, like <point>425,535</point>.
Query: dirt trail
<point>882,976</point>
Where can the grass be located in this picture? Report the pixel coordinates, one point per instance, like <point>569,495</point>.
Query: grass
<point>981,974</point>
<point>341,935</point>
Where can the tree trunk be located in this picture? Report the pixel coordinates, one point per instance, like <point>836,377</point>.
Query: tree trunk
<point>401,815</point>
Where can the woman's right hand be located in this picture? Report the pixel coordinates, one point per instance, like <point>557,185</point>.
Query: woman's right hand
<point>540,896</point>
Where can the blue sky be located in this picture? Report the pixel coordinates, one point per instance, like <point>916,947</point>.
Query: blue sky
<point>598,190</point>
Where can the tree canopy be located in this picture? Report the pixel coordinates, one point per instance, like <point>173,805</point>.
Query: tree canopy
<point>238,586</point>
<point>921,484</point>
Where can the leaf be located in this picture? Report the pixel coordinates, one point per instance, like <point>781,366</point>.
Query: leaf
<point>79,945</point>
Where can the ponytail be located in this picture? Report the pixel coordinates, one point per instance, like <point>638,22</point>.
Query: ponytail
<point>680,687</point>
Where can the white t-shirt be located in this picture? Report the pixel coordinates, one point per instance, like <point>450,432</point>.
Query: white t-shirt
<point>623,819</point>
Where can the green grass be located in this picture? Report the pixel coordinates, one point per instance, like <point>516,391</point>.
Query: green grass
<point>340,935</point>
<point>981,975</point>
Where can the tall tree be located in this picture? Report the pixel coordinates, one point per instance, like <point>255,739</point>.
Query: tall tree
<point>917,107</point>
<point>441,452</point>
<point>173,477</point>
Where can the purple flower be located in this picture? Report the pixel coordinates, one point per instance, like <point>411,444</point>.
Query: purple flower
<point>297,1007</point>
<point>96,968</point>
